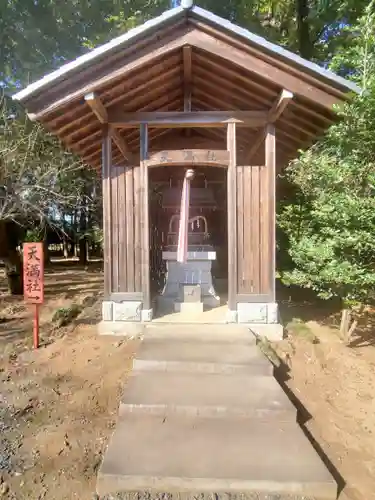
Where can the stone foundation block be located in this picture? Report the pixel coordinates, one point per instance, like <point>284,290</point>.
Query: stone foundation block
<point>107,311</point>
<point>127,311</point>
<point>146,315</point>
<point>251,312</point>
<point>272,313</point>
<point>232,316</point>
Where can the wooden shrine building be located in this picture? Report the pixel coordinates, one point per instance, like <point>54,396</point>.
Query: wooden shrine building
<point>188,90</point>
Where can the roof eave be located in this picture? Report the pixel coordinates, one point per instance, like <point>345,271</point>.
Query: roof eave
<point>170,16</point>
<point>277,51</point>
<point>84,60</point>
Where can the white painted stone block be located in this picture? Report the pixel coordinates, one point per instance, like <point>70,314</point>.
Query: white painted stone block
<point>272,313</point>
<point>146,315</point>
<point>251,312</point>
<point>231,316</point>
<point>107,310</point>
<point>127,311</point>
<point>188,307</point>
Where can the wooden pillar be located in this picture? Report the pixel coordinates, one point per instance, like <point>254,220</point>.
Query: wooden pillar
<point>232,216</point>
<point>107,202</point>
<point>270,153</point>
<point>145,234</point>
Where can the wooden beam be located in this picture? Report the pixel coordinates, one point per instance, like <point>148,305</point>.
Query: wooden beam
<point>196,141</point>
<point>231,74</point>
<point>275,112</point>
<point>187,63</point>
<point>268,72</point>
<point>212,99</point>
<point>125,90</point>
<point>258,141</point>
<point>189,157</point>
<point>224,87</point>
<point>232,216</point>
<point>93,100</point>
<point>165,92</point>
<point>181,119</point>
<point>98,108</point>
<point>107,204</point>
<point>121,144</point>
<point>225,76</point>
<point>133,134</point>
<point>187,58</point>
<point>270,153</point>
<point>280,105</point>
<point>145,237</point>
<point>161,48</point>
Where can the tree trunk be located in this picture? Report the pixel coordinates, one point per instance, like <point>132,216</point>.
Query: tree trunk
<point>75,242</point>
<point>9,236</point>
<point>83,251</point>
<point>65,247</point>
<point>347,328</point>
<point>46,255</point>
<point>14,272</point>
<point>303,29</point>
<point>89,245</point>
<point>82,239</point>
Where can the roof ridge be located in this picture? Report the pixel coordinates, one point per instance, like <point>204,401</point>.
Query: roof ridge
<point>186,8</point>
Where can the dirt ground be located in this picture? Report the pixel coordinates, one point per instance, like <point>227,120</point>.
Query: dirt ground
<point>58,405</point>
<point>333,385</point>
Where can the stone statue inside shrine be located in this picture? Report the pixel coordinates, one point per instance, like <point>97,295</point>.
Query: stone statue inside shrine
<point>188,286</point>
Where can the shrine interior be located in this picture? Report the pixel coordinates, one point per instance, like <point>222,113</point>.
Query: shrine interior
<point>207,223</point>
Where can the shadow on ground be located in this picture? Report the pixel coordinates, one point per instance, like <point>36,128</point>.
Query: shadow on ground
<point>282,375</point>
<point>298,304</point>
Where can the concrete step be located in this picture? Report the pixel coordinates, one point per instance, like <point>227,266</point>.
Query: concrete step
<point>186,454</point>
<point>257,367</point>
<point>228,333</point>
<point>182,355</point>
<point>202,352</point>
<point>206,395</point>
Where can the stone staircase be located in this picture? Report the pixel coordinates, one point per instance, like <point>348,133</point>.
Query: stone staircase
<point>203,415</point>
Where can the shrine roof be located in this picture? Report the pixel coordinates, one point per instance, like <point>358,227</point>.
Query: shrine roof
<point>145,70</point>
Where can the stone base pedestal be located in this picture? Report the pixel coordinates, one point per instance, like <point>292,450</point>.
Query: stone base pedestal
<point>121,311</point>
<point>261,318</point>
<point>258,313</point>
<point>166,305</point>
<point>231,316</point>
<point>127,311</point>
<point>129,319</point>
<point>196,272</point>
<point>146,315</point>
<point>188,307</point>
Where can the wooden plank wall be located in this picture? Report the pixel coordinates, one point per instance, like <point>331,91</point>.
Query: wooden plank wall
<point>255,243</point>
<point>125,210</point>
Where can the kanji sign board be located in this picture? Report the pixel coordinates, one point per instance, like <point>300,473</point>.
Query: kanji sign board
<point>33,273</point>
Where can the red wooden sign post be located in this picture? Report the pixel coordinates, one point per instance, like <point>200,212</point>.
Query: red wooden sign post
<point>33,282</point>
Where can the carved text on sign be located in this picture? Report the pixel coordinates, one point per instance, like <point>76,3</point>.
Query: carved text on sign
<point>189,157</point>
<point>33,273</point>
